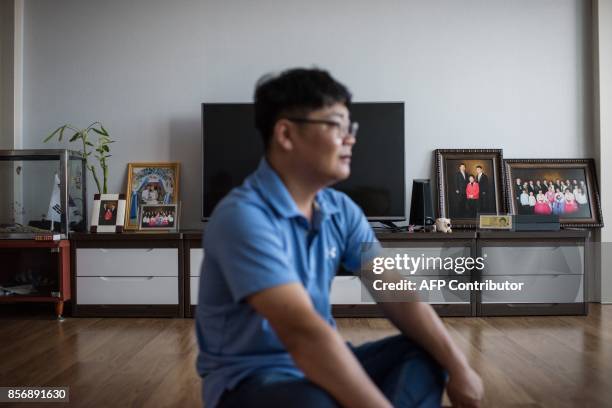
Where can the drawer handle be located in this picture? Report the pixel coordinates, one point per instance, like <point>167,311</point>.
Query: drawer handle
<point>126,278</point>
<point>104,250</point>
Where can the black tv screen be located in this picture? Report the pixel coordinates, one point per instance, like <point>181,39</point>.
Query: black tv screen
<point>232,148</point>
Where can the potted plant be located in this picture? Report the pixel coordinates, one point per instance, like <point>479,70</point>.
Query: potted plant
<point>100,150</point>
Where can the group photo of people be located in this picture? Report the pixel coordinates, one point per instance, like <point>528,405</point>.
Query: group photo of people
<point>548,194</point>
<point>158,217</point>
<point>471,188</point>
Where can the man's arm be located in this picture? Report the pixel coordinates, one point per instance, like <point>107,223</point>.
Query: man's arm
<point>419,321</point>
<point>317,349</point>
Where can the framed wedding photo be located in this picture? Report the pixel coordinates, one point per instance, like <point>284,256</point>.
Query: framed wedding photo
<point>150,184</point>
<point>108,213</point>
<point>564,187</point>
<point>469,183</point>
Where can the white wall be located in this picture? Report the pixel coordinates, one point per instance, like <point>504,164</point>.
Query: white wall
<point>603,133</point>
<point>473,73</point>
<point>7,29</point>
<point>6,74</point>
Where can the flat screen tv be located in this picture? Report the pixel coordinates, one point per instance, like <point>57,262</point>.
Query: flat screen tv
<point>232,148</point>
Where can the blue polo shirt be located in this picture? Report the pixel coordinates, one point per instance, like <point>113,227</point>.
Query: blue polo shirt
<point>257,239</point>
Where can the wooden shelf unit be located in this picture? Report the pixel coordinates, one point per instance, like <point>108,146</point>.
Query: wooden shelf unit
<point>60,269</point>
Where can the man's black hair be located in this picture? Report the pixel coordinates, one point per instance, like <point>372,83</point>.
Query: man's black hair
<point>296,91</point>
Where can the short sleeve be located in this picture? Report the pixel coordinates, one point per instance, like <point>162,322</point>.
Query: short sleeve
<point>244,242</point>
<point>361,243</point>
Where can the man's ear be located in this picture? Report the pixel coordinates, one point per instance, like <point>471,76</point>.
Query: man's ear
<point>283,134</point>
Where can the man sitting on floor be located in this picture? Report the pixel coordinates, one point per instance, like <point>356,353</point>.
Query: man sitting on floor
<point>272,248</point>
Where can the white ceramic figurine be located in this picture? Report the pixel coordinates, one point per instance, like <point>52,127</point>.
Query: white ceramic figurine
<point>443,225</point>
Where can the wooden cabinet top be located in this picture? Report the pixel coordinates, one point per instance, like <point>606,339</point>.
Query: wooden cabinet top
<point>126,236</point>
<point>196,235</point>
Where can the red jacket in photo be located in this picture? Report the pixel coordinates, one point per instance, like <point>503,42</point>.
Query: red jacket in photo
<point>472,191</point>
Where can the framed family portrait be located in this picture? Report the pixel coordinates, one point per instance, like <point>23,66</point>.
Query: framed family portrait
<point>158,217</point>
<point>469,183</point>
<point>150,184</point>
<point>564,187</point>
<point>108,213</point>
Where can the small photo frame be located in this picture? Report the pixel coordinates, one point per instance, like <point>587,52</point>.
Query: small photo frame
<point>158,217</point>
<point>496,222</point>
<point>108,213</point>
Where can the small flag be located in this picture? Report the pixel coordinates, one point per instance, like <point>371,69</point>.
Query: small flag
<point>55,207</point>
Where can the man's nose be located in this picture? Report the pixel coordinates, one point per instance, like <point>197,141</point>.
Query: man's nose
<point>349,140</point>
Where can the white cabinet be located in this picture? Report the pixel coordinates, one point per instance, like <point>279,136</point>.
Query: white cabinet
<point>128,274</point>
<point>135,276</point>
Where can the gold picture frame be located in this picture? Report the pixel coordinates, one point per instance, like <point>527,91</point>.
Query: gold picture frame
<point>150,184</point>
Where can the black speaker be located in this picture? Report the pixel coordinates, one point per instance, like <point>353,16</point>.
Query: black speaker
<point>421,206</point>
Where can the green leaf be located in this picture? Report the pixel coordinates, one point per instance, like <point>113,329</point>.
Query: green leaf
<point>61,135</point>
<point>104,130</point>
<point>105,148</point>
<point>52,134</point>
<point>98,131</point>
<point>88,143</point>
<point>75,136</point>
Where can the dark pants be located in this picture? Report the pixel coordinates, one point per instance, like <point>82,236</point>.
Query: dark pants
<point>404,372</point>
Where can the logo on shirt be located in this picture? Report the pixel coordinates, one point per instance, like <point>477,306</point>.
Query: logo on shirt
<point>332,253</point>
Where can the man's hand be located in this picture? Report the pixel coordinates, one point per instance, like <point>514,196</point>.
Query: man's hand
<point>465,388</point>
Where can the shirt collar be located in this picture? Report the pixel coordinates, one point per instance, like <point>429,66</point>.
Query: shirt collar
<point>275,193</point>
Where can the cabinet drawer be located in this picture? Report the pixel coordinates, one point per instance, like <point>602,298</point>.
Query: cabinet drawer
<point>127,262</point>
<point>137,290</point>
<point>538,289</point>
<point>194,289</point>
<point>196,256</point>
<point>346,290</point>
<point>532,260</point>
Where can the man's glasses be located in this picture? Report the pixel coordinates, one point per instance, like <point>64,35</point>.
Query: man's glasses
<point>342,130</point>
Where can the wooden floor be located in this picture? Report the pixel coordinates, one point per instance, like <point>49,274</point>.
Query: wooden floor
<point>524,361</point>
